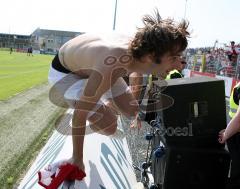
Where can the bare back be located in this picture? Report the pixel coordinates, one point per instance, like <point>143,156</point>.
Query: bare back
<point>88,52</point>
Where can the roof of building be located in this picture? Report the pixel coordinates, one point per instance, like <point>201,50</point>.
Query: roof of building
<point>39,31</point>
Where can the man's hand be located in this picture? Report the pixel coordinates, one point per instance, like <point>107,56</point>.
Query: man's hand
<point>222,137</point>
<point>78,162</point>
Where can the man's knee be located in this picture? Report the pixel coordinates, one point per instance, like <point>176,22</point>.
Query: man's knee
<point>131,109</point>
<point>111,129</point>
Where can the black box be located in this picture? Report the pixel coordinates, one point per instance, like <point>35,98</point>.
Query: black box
<point>189,168</point>
<point>193,110</point>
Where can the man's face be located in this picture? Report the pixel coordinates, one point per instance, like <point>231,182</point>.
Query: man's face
<point>168,63</point>
<point>183,63</point>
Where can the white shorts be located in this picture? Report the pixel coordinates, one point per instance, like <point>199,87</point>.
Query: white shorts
<point>76,85</point>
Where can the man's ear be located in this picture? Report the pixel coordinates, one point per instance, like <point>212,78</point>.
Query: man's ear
<point>147,58</point>
<point>152,57</point>
<point>156,60</point>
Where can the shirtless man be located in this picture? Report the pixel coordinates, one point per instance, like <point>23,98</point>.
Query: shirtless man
<point>96,65</point>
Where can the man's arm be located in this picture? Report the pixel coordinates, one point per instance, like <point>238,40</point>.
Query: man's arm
<point>233,127</point>
<point>136,82</point>
<point>97,84</point>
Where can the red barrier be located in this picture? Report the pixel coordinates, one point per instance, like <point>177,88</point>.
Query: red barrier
<point>195,73</point>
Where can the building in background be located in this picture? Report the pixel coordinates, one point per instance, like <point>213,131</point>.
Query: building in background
<point>14,41</point>
<point>49,41</point>
<point>41,40</point>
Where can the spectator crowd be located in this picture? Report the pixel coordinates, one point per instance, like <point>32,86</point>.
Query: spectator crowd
<point>217,60</point>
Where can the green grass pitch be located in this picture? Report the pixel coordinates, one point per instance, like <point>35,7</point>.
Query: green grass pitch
<point>19,72</point>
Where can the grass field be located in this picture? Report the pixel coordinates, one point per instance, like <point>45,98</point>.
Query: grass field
<point>26,120</point>
<point>19,72</point>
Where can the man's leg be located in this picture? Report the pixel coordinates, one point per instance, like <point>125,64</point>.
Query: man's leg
<point>122,99</point>
<point>103,121</point>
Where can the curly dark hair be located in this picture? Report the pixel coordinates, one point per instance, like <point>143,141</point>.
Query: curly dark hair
<point>159,37</point>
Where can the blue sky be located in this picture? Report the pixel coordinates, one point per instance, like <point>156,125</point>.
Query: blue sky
<point>210,20</point>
